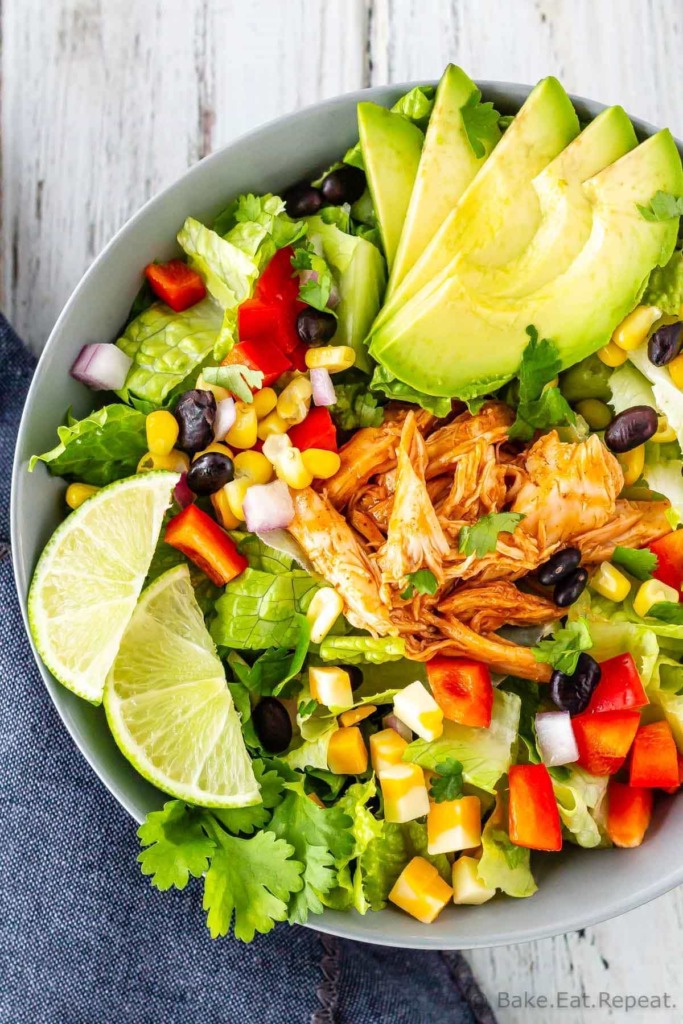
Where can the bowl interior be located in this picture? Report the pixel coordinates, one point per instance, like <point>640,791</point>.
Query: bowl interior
<point>576,888</point>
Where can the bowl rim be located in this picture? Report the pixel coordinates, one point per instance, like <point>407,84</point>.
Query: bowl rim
<point>331,922</point>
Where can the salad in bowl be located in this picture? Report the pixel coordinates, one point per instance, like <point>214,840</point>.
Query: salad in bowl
<point>371,545</point>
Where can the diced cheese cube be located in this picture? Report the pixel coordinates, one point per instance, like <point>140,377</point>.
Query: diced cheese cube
<point>421,891</point>
<point>386,748</point>
<point>468,887</point>
<point>356,715</point>
<point>347,753</point>
<point>404,791</point>
<point>331,687</point>
<point>453,825</point>
<point>416,707</point>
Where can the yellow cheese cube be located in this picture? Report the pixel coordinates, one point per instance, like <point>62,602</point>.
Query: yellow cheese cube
<point>405,792</point>
<point>421,891</point>
<point>355,715</point>
<point>347,753</point>
<point>330,686</point>
<point>386,749</point>
<point>417,708</point>
<point>468,888</point>
<point>453,825</point>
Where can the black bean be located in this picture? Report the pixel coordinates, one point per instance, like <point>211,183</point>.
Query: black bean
<point>209,472</point>
<point>302,200</point>
<point>273,725</point>
<point>665,344</point>
<point>345,185</point>
<point>631,428</point>
<point>195,413</point>
<point>314,325</point>
<point>570,588</point>
<point>573,693</point>
<point>559,566</point>
<point>355,675</point>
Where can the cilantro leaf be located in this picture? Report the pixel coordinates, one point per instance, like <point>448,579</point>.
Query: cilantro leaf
<point>539,406</point>
<point>662,206</point>
<point>236,378</point>
<point>562,650</point>
<point>667,611</point>
<point>421,582</point>
<point>482,538</point>
<point>640,563</point>
<point>176,846</point>
<point>514,855</point>
<point>356,407</point>
<point>246,820</point>
<point>447,785</point>
<point>316,290</point>
<point>481,123</point>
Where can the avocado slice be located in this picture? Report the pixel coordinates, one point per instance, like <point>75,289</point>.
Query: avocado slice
<point>450,341</point>
<point>500,206</point>
<point>391,147</point>
<point>360,276</point>
<point>447,166</point>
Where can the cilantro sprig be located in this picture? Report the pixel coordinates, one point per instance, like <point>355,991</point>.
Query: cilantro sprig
<point>481,123</point>
<point>667,611</point>
<point>316,291</point>
<point>421,582</point>
<point>482,537</point>
<point>447,781</point>
<point>539,406</point>
<point>562,650</point>
<point>640,563</point>
<point>662,206</point>
<point>236,378</point>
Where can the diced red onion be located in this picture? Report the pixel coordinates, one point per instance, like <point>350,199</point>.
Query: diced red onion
<point>182,493</point>
<point>102,366</point>
<point>556,740</point>
<point>268,507</point>
<point>283,542</point>
<point>323,388</point>
<point>225,417</point>
<point>392,722</point>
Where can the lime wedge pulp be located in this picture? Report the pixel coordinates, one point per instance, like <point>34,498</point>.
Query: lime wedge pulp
<point>90,575</point>
<point>168,704</point>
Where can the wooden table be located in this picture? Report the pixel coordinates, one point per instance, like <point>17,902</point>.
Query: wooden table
<point>104,102</point>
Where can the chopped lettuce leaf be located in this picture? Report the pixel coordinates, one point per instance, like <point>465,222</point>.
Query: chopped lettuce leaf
<point>503,865</point>
<point>665,286</point>
<point>250,221</point>
<point>365,828</point>
<point>259,609</point>
<point>666,397</point>
<point>356,407</point>
<point>387,854</point>
<point>615,629</point>
<point>316,731</point>
<point>103,447</point>
<point>665,693</point>
<point>260,555</point>
<point>384,381</point>
<point>355,650</point>
<point>275,668</point>
<point>629,387</point>
<point>577,794</point>
<point>229,271</point>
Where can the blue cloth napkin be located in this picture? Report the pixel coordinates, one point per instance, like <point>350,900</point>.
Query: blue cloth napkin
<point>84,939</point>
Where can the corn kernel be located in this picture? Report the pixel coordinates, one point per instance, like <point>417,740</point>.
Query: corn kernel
<point>404,790</point>
<point>216,390</point>
<point>76,494</point>
<point>215,446</point>
<point>453,825</point>
<point>236,492</point>
<point>242,433</point>
<point>333,358</point>
<point>664,433</point>
<point>355,715</point>
<point>265,401</point>
<point>330,686</point>
<point>612,355</point>
<point>175,461</point>
<point>632,464</point>
<point>162,430</point>
<point>386,749</point>
<point>416,707</point>
<point>295,401</point>
<point>347,753</point>
<point>468,888</point>
<point>321,463</point>
<point>290,468</point>
<point>634,329</point>
<point>610,583</point>
<point>270,425</point>
<point>221,506</point>
<point>650,593</point>
<point>253,465</point>
<point>325,608</point>
<point>597,414</point>
<point>676,371</point>
<point>421,891</point>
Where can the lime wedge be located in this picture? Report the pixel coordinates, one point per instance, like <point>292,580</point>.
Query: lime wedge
<point>168,704</point>
<point>89,578</point>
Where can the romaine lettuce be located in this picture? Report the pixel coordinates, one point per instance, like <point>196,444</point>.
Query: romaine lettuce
<point>355,650</point>
<point>384,381</point>
<point>503,865</point>
<point>229,272</point>
<point>666,396</point>
<point>356,407</point>
<point>578,793</point>
<point>365,828</point>
<point>387,854</point>
<point>259,609</point>
<point>249,220</point>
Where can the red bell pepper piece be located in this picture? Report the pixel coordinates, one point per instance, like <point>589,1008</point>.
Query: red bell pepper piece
<point>462,688</point>
<point>279,282</point>
<point>257,319</point>
<point>654,759</point>
<point>674,789</point>
<point>199,537</point>
<point>629,809</point>
<point>298,357</point>
<point>176,284</point>
<point>669,552</point>
<point>533,817</point>
<point>316,431</point>
<point>604,739</point>
<point>619,687</point>
<point>260,355</point>
<point>271,313</point>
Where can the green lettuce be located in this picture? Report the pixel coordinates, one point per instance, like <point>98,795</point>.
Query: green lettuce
<point>103,447</point>
<point>312,752</point>
<point>260,555</point>
<point>503,865</point>
<point>578,793</point>
<point>259,609</point>
<point>666,397</point>
<point>383,380</point>
<point>485,754</point>
<point>356,650</point>
<point>386,855</point>
<point>272,672</point>
<point>665,694</point>
<point>617,629</point>
<point>356,407</point>
<point>229,272</point>
<point>665,286</point>
<point>365,828</point>
<point>258,224</point>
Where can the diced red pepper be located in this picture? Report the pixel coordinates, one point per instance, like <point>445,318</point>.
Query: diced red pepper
<point>271,314</point>
<point>654,758</point>
<point>629,810</point>
<point>462,688</point>
<point>298,357</point>
<point>260,355</point>
<point>176,284</point>
<point>619,688</point>
<point>199,537</point>
<point>257,319</point>
<point>533,817</point>
<point>674,789</point>
<point>669,552</point>
<point>279,282</point>
<point>605,739</point>
<point>316,431</point>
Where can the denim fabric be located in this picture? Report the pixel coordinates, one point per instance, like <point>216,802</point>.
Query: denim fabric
<point>84,939</point>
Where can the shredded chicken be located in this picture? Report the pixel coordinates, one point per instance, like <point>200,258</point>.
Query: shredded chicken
<point>503,657</point>
<point>633,525</point>
<point>488,606</point>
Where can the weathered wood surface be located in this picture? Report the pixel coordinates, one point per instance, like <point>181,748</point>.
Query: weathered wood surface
<point>106,101</point>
